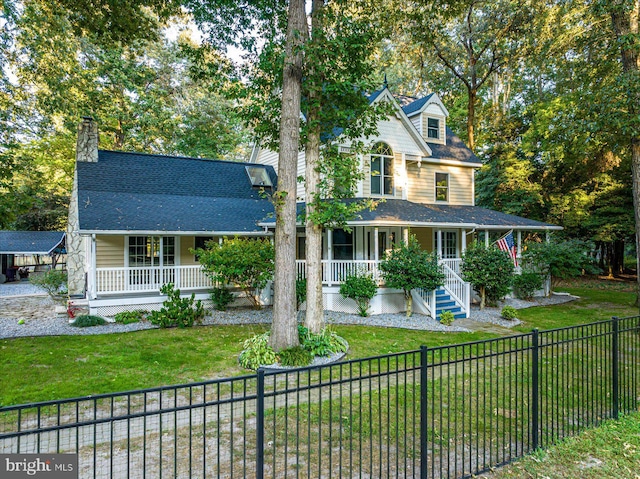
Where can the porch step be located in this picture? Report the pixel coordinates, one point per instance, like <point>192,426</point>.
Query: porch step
<point>445,303</point>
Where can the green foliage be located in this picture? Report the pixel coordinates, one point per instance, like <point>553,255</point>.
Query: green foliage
<point>409,267</point>
<point>489,270</point>
<point>561,259</point>
<point>128,317</point>
<point>248,263</point>
<point>447,317</point>
<point>509,312</point>
<point>361,288</point>
<point>301,291</point>
<point>527,283</point>
<point>325,343</point>
<point>86,320</point>
<point>177,311</point>
<point>257,352</point>
<point>221,298</point>
<point>51,281</point>
<point>296,356</point>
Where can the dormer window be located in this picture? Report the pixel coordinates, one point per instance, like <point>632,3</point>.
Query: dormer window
<point>258,176</point>
<point>433,128</point>
<point>442,186</point>
<point>382,170</point>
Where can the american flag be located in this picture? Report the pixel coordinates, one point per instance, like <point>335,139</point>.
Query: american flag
<point>506,243</point>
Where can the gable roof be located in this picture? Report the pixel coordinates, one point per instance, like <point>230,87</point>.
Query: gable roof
<point>30,242</point>
<point>416,105</point>
<point>136,192</point>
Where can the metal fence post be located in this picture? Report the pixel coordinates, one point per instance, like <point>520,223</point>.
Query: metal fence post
<point>260,426</point>
<point>535,388</point>
<point>615,367</point>
<point>424,449</point>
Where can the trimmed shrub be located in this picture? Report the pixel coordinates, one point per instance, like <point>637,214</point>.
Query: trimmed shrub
<point>257,352</point>
<point>409,267</point>
<point>526,284</point>
<point>177,311</point>
<point>509,312</point>
<point>128,317</point>
<point>221,298</point>
<point>361,288</point>
<point>446,318</point>
<point>87,320</point>
<point>489,270</point>
<point>296,357</point>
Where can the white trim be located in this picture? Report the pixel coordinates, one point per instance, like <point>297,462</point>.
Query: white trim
<point>438,161</point>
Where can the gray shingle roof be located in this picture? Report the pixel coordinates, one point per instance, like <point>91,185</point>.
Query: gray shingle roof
<point>455,149</point>
<point>416,105</point>
<point>29,242</point>
<point>141,192</point>
<point>418,214</point>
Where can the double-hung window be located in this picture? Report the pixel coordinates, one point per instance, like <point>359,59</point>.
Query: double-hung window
<point>442,186</point>
<point>382,170</point>
<point>433,128</point>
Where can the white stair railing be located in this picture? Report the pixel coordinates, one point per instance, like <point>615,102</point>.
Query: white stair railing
<point>457,288</point>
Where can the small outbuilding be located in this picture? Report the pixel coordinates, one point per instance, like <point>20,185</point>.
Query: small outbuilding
<point>24,252</point>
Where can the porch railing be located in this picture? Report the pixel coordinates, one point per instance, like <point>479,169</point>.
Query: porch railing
<point>453,263</point>
<point>149,279</point>
<point>335,271</point>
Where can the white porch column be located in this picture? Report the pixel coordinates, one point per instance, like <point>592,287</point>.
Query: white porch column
<point>519,246</point>
<point>92,286</point>
<point>440,249</point>
<point>547,237</point>
<point>463,241</point>
<point>330,257</point>
<point>375,244</point>
<point>486,238</point>
<point>405,234</point>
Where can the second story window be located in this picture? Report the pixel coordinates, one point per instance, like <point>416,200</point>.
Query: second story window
<point>433,128</point>
<point>381,170</point>
<point>442,186</point>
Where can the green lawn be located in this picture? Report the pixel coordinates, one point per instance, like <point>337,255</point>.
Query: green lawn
<point>45,368</point>
<point>610,451</point>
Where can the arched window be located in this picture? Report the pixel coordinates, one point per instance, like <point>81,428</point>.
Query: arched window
<point>381,170</point>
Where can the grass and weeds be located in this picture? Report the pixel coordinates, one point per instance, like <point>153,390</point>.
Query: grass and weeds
<point>611,450</point>
<point>84,365</point>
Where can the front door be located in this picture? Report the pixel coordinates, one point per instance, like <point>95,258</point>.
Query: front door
<point>151,256</point>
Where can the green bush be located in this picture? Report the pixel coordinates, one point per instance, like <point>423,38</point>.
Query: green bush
<point>361,288</point>
<point>409,267</point>
<point>221,298</point>
<point>86,320</point>
<point>296,357</point>
<point>325,343</point>
<point>177,311</point>
<point>446,318</point>
<point>526,284</point>
<point>128,317</point>
<point>301,292</point>
<point>248,263</point>
<point>257,352</point>
<point>489,270</point>
<point>54,281</point>
<point>509,312</point>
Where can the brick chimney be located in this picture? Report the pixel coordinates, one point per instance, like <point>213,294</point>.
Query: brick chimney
<point>87,143</point>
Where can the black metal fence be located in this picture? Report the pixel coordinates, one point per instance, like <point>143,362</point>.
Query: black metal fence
<point>450,411</point>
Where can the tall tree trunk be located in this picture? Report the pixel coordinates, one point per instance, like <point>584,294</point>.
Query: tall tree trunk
<point>625,16</point>
<point>471,117</point>
<point>314,318</point>
<point>284,329</point>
